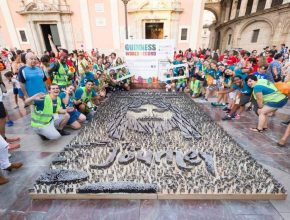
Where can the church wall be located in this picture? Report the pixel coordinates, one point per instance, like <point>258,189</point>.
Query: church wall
<point>271,23</point>
<point>73,30</point>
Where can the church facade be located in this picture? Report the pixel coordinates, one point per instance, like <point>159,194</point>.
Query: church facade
<point>250,24</point>
<point>87,24</point>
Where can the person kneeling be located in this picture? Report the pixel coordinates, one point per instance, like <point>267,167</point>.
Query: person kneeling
<point>48,118</point>
<point>85,99</point>
<point>67,102</point>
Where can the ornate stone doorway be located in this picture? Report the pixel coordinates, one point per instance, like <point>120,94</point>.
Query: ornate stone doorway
<point>50,29</point>
<point>48,17</point>
<point>154,30</point>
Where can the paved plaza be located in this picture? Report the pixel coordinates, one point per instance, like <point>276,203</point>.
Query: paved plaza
<point>15,202</point>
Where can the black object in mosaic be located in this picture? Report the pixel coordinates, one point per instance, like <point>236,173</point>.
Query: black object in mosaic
<point>118,187</point>
<point>62,176</point>
<point>209,162</point>
<point>59,160</point>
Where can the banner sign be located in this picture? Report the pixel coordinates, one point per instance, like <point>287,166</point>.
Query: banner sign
<point>149,58</point>
<point>119,68</point>
<point>169,72</point>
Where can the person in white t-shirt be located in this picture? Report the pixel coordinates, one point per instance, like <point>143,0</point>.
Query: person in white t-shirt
<point>16,88</point>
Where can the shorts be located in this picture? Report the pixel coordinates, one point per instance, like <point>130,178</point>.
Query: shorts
<point>15,91</point>
<point>244,99</point>
<point>50,131</point>
<point>20,93</point>
<point>280,104</point>
<point>232,95</point>
<point>73,116</point>
<point>213,87</point>
<point>2,110</point>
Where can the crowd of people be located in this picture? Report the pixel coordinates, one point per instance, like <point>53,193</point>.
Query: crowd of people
<point>64,89</point>
<point>238,80</point>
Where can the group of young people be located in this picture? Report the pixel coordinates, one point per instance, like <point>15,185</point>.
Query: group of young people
<point>63,90</point>
<point>239,80</point>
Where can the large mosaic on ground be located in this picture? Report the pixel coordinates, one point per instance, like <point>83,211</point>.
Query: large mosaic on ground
<point>154,145</point>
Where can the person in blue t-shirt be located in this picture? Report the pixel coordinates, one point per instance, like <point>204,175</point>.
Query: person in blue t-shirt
<point>261,74</point>
<point>243,96</point>
<point>32,78</point>
<point>89,75</point>
<point>67,102</point>
<point>178,61</point>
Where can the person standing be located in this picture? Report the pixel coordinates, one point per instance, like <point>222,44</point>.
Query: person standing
<point>31,77</point>
<point>274,73</point>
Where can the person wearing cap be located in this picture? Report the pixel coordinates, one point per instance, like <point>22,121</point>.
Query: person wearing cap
<point>81,64</point>
<point>59,71</point>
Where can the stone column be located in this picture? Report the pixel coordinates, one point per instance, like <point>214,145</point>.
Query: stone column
<point>268,4</point>
<point>85,16</point>
<point>196,22</point>
<point>234,9</point>
<point>5,10</point>
<point>227,12</point>
<point>243,8</point>
<point>255,6</point>
<point>115,24</point>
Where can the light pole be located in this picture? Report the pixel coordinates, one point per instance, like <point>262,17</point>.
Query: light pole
<point>126,17</point>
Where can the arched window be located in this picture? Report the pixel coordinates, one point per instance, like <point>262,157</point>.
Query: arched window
<point>261,5</point>
<point>276,3</point>
<point>249,7</point>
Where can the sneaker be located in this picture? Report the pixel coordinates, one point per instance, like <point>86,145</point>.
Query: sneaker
<point>249,109</point>
<point>12,139</point>
<point>63,132</point>
<point>227,117</point>
<point>14,166</point>
<point>225,109</point>
<point>13,146</point>
<point>217,104</point>
<point>237,117</point>
<point>9,123</point>
<point>286,123</point>
<point>3,180</point>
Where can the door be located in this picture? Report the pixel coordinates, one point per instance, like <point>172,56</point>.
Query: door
<point>50,29</point>
<point>154,30</point>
